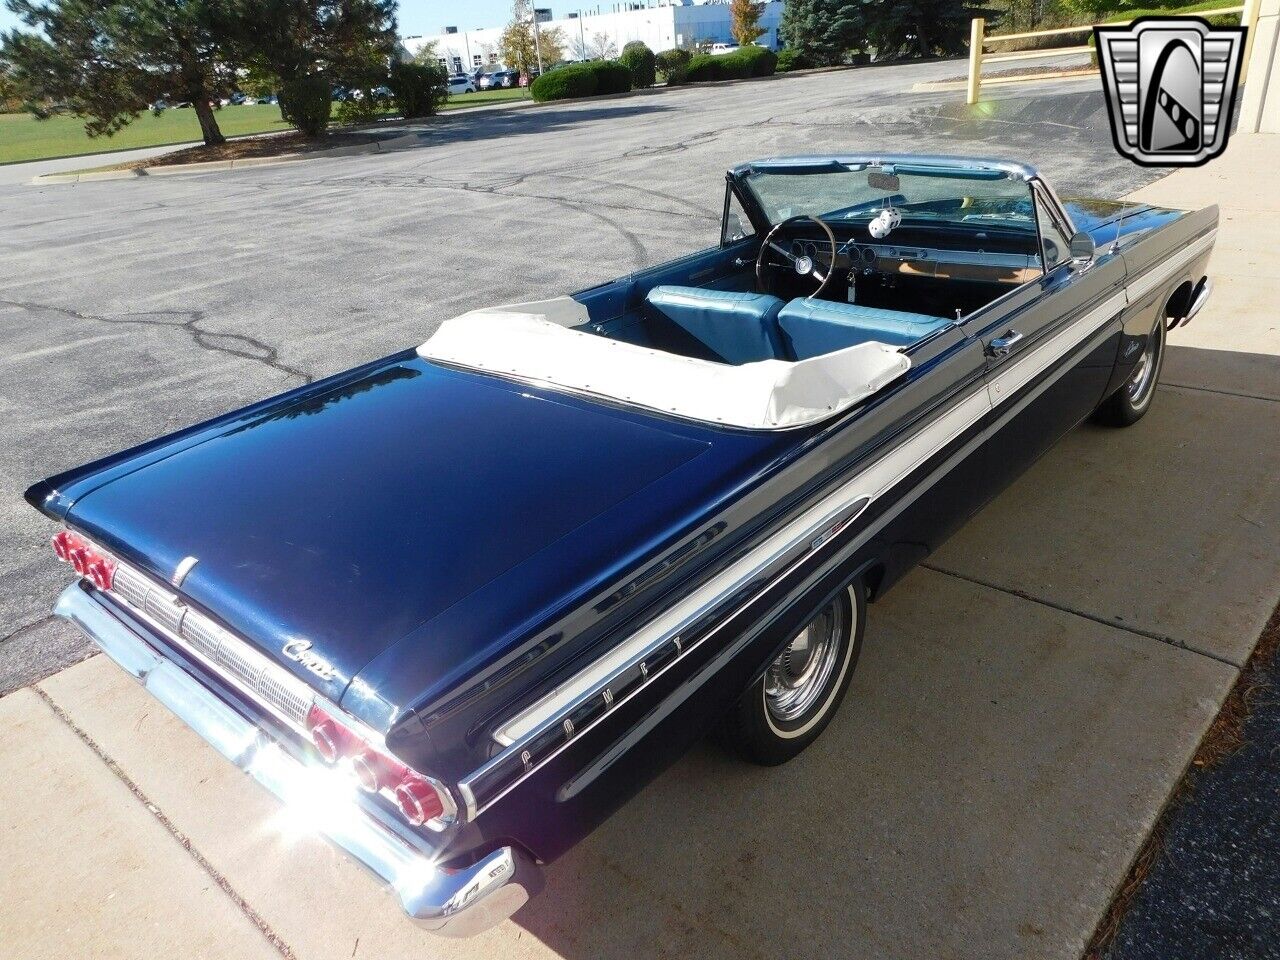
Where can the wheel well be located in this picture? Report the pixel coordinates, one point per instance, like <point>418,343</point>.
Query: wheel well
<point>1180,302</point>
<point>872,579</point>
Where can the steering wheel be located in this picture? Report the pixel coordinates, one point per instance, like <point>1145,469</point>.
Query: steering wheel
<point>803,265</point>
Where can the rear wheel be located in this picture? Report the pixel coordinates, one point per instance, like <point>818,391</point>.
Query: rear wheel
<point>789,707</point>
<point>1131,402</point>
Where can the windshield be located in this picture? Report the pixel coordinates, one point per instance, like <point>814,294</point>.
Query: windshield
<point>838,192</point>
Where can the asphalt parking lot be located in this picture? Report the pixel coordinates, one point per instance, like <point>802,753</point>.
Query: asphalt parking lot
<point>1025,704</point>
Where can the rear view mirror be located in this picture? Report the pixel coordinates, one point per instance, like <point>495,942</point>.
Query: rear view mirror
<point>883,181</point>
<point>1082,248</point>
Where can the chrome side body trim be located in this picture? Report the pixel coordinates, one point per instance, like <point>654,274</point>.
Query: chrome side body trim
<point>1029,364</point>
<point>530,725</point>
<point>776,554</point>
<point>1158,274</point>
<point>451,902</point>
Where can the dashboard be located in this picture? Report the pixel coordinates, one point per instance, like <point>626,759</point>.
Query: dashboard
<point>986,255</point>
<point>888,259</point>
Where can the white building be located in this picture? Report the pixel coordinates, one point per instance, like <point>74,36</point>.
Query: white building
<point>605,30</point>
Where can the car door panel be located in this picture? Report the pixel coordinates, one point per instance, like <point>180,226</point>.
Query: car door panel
<point>1051,351</point>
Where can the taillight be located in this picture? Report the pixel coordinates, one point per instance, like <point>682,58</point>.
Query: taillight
<point>63,543</point>
<point>375,771</point>
<point>327,738</point>
<point>418,801</point>
<point>85,560</point>
<point>79,557</point>
<point>102,572</point>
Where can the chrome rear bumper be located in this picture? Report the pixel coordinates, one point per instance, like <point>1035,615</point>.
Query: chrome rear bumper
<point>451,902</point>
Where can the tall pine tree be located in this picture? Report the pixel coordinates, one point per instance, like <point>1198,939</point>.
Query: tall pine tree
<point>823,31</point>
<point>108,60</point>
<point>919,28</point>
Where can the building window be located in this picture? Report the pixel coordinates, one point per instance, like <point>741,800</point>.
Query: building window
<point>476,60</point>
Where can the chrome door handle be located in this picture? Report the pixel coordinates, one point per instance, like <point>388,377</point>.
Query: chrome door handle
<point>1001,345</point>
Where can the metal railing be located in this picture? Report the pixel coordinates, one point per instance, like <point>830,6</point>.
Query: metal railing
<point>979,41</point>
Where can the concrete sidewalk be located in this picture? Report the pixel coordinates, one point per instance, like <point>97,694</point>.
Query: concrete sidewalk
<point>1026,703</point>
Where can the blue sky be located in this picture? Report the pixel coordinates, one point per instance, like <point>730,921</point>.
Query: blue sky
<point>423,16</point>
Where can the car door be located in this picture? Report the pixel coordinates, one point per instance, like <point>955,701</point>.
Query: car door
<point>1050,345</point>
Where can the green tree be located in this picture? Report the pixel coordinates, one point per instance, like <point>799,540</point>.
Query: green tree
<point>344,40</point>
<point>428,54</point>
<point>520,43</point>
<point>746,15</point>
<point>10,99</point>
<point>920,28</point>
<point>823,31</point>
<point>640,60</point>
<point>108,60</point>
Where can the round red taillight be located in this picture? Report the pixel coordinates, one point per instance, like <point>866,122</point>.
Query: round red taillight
<point>102,573</point>
<point>418,801</point>
<point>80,558</point>
<point>62,545</point>
<point>327,737</point>
<point>368,771</point>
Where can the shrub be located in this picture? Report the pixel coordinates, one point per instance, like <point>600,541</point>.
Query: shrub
<point>575,80</point>
<point>361,109</point>
<point>764,62</point>
<point>611,76</point>
<point>639,59</point>
<point>704,67</point>
<point>673,65</point>
<point>735,66</point>
<point>418,88</point>
<point>304,103</point>
<point>792,59</point>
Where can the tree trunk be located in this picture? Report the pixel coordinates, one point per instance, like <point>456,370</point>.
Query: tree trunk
<point>208,122</point>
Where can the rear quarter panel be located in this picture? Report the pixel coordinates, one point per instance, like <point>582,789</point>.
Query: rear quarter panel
<point>1165,261</point>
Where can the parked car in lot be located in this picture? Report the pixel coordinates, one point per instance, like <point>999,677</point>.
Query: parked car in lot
<point>469,598</point>
<point>461,84</point>
<point>720,49</point>
<point>500,80</point>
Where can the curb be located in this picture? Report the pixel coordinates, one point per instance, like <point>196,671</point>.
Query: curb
<point>406,141</point>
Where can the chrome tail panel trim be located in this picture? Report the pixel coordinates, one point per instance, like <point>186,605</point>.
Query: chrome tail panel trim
<point>451,902</point>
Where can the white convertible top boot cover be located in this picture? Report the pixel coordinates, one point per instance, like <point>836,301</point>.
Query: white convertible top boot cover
<point>534,342</point>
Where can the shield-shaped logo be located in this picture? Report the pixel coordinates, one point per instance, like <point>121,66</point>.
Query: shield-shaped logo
<point>1170,84</point>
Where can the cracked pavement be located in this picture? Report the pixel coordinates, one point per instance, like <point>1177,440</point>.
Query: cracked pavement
<point>131,309</point>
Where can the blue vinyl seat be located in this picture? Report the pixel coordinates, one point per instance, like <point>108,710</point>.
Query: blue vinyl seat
<point>816,327</point>
<point>738,327</point>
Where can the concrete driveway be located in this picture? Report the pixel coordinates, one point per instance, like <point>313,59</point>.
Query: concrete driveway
<point>1025,703</point>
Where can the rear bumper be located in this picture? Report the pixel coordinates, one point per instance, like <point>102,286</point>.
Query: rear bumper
<point>451,902</point>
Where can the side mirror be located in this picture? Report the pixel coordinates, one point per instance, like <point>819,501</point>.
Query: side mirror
<point>1082,249</point>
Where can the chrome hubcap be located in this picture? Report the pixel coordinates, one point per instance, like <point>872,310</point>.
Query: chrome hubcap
<point>1143,379</point>
<point>798,677</point>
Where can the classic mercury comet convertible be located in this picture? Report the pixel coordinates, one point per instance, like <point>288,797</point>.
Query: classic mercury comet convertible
<point>460,603</point>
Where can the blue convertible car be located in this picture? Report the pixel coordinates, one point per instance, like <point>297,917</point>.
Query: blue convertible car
<point>469,598</point>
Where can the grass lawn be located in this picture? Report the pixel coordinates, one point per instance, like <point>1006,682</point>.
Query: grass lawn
<point>482,97</point>
<point>23,137</point>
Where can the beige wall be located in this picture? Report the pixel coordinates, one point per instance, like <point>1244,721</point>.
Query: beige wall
<point>1260,108</point>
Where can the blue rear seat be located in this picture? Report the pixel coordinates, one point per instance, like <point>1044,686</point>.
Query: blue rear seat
<point>738,327</point>
<point>816,327</point>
